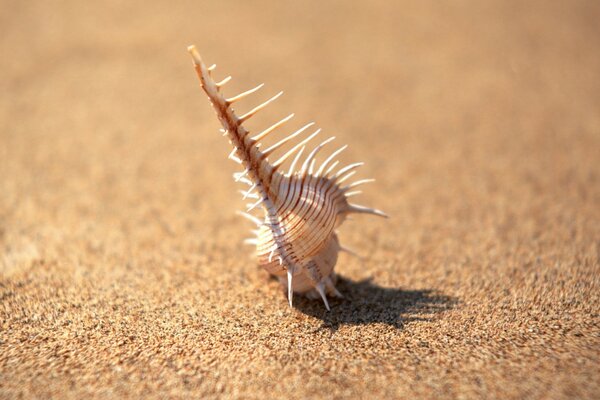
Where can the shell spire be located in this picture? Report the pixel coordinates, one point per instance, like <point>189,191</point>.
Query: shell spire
<point>296,237</point>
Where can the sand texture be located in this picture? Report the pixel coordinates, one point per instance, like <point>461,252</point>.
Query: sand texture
<point>122,268</point>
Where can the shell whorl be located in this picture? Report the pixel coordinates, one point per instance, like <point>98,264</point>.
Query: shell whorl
<point>296,237</point>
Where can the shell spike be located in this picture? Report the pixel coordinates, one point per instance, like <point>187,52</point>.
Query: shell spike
<point>346,177</point>
<point>290,290</point>
<point>356,183</point>
<point>330,158</point>
<point>250,195</point>
<point>321,289</point>
<point>239,175</point>
<point>293,165</point>
<point>240,96</point>
<point>355,208</point>
<point>287,139</point>
<point>259,107</point>
<point>311,156</point>
<point>250,217</point>
<point>272,128</point>
<point>253,206</point>
<point>295,148</point>
<point>336,292</point>
<point>351,252</point>
<point>272,253</point>
<point>247,181</point>
<point>348,168</point>
<point>233,156</point>
<point>312,166</point>
<point>223,82</point>
<point>332,289</point>
<point>331,168</point>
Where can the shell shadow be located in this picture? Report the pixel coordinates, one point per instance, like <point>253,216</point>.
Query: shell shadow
<point>366,303</point>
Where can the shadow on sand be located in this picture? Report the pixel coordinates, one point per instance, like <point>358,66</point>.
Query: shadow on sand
<point>365,303</point>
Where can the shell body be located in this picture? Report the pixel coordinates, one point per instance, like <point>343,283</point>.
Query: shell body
<point>295,236</point>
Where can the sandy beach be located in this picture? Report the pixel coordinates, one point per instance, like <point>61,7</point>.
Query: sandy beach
<point>122,268</point>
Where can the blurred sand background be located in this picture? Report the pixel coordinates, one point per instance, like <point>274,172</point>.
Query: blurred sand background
<point>122,270</point>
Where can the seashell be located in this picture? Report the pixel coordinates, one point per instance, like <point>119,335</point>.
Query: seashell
<point>295,236</point>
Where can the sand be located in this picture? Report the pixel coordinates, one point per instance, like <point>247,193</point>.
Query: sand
<point>122,269</point>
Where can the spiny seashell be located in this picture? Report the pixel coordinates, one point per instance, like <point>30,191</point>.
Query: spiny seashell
<point>296,237</point>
